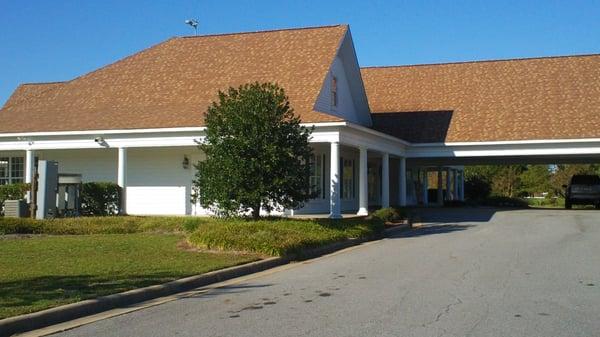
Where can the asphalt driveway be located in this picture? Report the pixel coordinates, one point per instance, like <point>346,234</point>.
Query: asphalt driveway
<point>469,272</point>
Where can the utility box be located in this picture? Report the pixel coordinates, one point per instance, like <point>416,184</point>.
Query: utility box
<point>15,209</point>
<point>47,188</point>
<point>69,194</point>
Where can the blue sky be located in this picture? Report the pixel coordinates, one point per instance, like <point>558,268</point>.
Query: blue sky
<point>57,40</point>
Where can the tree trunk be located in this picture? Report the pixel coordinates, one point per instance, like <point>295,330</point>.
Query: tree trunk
<point>256,211</point>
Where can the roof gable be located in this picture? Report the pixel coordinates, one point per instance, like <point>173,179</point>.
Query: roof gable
<point>171,84</point>
<point>352,98</point>
<point>526,99</point>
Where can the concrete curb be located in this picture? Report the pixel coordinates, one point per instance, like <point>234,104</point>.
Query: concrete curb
<point>23,323</point>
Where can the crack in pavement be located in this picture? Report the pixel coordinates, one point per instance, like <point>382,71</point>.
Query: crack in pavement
<point>446,310</point>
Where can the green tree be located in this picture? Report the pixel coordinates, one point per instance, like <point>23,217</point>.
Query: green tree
<point>257,153</point>
<point>499,180</point>
<point>535,179</point>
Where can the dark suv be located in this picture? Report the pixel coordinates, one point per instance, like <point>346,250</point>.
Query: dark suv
<point>583,190</point>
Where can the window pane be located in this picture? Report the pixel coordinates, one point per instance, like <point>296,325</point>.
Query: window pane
<point>334,98</point>
<point>348,179</point>
<point>16,169</point>
<point>3,167</point>
<point>316,169</point>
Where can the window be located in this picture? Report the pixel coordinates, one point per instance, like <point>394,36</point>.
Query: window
<point>334,93</point>
<point>316,175</point>
<point>11,170</point>
<point>348,179</point>
<point>17,168</point>
<point>4,166</point>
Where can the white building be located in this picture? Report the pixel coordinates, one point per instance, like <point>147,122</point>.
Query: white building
<point>378,131</point>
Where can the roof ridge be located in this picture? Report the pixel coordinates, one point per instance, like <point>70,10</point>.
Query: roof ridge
<point>484,61</point>
<point>263,31</point>
<point>42,83</point>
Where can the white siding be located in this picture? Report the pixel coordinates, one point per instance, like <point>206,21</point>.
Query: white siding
<point>345,107</point>
<point>352,98</point>
<point>157,183</point>
<point>93,165</point>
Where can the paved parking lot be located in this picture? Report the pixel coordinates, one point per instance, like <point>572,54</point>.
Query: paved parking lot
<point>467,272</point>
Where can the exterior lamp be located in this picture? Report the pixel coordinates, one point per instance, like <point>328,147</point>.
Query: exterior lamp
<point>185,163</point>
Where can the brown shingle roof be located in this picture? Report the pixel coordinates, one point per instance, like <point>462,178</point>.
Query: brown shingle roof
<point>541,98</point>
<point>171,84</point>
<point>28,90</point>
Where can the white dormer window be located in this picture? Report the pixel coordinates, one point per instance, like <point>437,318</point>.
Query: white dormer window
<point>334,94</point>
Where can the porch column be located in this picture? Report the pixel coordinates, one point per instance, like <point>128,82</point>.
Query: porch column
<point>29,164</point>
<point>122,178</point>
<point>385,180</point>
<point>363,193</point>
<point>440,187</point>
<point>29,170</point>
<point>402,182</point>
<point>425,184</point>
<point>334,190</point>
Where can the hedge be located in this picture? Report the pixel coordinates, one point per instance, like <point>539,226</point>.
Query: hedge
<point>100,198</point>
<point>389,214</point>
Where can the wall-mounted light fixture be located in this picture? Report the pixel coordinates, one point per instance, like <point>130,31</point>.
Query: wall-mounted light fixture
<point>186,162</point>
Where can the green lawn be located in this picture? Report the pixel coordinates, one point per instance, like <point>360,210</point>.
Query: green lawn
<point>46,263</point>
<point>41,272</point>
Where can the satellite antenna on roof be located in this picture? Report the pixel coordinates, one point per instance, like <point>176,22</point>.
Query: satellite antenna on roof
<point>194,24</point>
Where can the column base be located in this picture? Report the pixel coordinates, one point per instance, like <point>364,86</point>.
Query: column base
<point>362,211</point>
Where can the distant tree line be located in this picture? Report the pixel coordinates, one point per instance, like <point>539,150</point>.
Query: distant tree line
<point>521,180</point>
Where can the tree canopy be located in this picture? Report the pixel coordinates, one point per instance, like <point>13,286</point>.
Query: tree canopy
<point>257,153</point>
<point>521,180</point>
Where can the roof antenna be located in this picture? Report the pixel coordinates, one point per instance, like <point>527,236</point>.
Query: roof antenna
<point>194,24</point>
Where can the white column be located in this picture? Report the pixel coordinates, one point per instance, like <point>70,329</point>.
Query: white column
<point>363,193</point>
<point>440,187</point>
<point>385,180</point>
<point>29,170</point>
<point>122,178</point>
<point>334,189</point>
<point>402,182</point>
<point>425,191</point>
<point>29,158</point>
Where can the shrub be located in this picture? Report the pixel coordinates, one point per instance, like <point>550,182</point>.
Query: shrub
<point>12,192</point>
<point>388,214</point>
<point>477,188</point>
<point>279,236</point>
<point>100,198</point>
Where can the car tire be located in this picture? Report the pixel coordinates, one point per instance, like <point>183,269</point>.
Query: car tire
<point>568,204</point>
